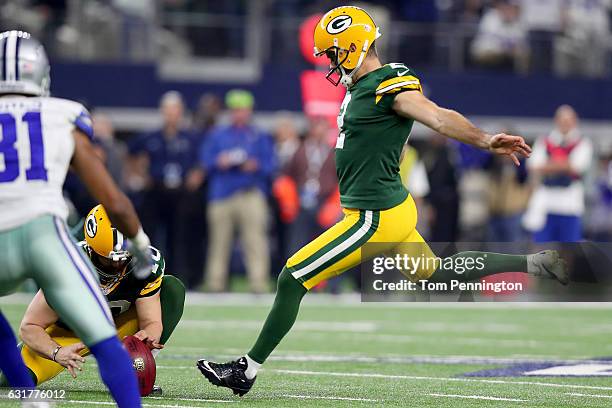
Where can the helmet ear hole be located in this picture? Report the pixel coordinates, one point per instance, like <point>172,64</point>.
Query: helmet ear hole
<point>353,47</point>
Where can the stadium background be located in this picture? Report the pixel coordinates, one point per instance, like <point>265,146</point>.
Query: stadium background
<point>121,58</point>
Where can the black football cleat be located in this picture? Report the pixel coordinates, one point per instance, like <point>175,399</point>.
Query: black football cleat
<point>157,391</point>
<point>229,375</point>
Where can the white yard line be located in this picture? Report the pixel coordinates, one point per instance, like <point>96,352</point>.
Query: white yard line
<point>466,341</point>
<point>372,331</point>
<point>190,399</point>
<point>306,325</point>
<point>449,379</point>
<point>478,397</point>
<point>329,398</point>
<point>348,300</point>
<point>185,352</point>
<point>296,356</point>
<point>577,394</point>
<point>414,377</point>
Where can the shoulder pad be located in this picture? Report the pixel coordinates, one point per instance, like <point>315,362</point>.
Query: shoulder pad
<point>398,78</point>
<point>76,113</point>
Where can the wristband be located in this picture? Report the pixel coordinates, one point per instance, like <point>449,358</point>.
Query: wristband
<point>54,354</point>
<point>141,240</point>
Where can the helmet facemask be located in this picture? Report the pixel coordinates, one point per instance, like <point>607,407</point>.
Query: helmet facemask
<point>112,268</point>
<point>337,56</point>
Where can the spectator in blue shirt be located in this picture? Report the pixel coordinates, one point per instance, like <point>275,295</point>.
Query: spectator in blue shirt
<point>239,161</point>
<point>170,155</point>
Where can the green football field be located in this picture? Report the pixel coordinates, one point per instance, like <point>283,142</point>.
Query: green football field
<point>345,354</point>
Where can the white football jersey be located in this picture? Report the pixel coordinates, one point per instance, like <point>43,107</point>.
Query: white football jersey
<point>36,147</point>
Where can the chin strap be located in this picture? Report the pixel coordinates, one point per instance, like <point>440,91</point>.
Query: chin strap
<point>347,79</point>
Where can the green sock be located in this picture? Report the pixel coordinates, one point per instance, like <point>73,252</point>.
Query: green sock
<point>289,294</point>
<point>172,299</point>
<point>493,263</point>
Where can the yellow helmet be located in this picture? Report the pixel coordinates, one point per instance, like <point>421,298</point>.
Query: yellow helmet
<point>101,236</point>
<point>107,248</point>
<point>344,34</point>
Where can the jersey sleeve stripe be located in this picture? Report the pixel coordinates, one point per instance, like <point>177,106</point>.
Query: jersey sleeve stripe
<point>83,123</point>
<point>396,80</point>
<point>405,84</point>
<point>156,284</point>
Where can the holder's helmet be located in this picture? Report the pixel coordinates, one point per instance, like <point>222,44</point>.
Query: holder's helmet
<point>106,247</point>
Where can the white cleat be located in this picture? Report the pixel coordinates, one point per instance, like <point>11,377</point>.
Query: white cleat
<point>548,264</point>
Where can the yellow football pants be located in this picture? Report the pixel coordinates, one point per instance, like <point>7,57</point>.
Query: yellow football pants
<point>340,248</point>
<point>45,369</point>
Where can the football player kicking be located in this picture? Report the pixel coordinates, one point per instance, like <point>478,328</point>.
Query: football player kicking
<point>41,138</point>
<point>149,309</point>
<point>381,104</point>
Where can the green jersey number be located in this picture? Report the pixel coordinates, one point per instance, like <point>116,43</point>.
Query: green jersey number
<point>340,121</point>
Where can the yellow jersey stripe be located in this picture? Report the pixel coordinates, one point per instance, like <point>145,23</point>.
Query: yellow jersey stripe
<point>405,84</point>
<point>393,81</point>
<point>151,286</point>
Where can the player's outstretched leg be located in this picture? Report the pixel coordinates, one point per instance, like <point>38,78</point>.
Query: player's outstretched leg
<point>544,264</point>
<point>239,375</point>
<point>11,364</point>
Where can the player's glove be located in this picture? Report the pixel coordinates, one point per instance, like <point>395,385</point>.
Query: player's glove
<point>141,254</point>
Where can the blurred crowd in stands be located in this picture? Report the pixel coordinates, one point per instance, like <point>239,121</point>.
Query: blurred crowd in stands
<point>224,196</point>
<point>231,197</point>
<point>567,37</point>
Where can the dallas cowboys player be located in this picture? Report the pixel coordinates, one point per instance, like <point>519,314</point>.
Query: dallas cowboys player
<point>41,137</point>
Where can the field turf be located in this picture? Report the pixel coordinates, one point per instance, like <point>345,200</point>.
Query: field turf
<point>345,354</point>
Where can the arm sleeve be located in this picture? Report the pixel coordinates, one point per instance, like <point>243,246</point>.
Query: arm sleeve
<point>538,155</point>
<point>83,122</point>
<point>581,157</point>
<point>399,79</point>
<point>151,288</point>
<point>154,281</point>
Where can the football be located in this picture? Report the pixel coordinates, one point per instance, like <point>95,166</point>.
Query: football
<point>143,363</point>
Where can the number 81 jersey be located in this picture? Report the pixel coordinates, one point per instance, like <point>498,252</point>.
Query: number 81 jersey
<point>36,147</point>
<point>371,139</point>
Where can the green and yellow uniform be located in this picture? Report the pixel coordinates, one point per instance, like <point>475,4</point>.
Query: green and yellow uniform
<point>377,207</point>
<point>121,295</point>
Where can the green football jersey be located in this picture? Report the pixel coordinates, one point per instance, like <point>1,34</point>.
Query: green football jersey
<point>371,139</point>
<point>122,292</point>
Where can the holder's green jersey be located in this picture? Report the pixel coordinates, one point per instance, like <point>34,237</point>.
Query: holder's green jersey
<point>371,139</point>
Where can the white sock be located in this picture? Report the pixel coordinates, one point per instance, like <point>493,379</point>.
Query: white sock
<point>533,263</point>
<point>252,367</point>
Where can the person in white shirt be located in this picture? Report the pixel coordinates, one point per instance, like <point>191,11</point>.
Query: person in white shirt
<point>501,38</point>
<point>561,161</point>
<point>583,47</point>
